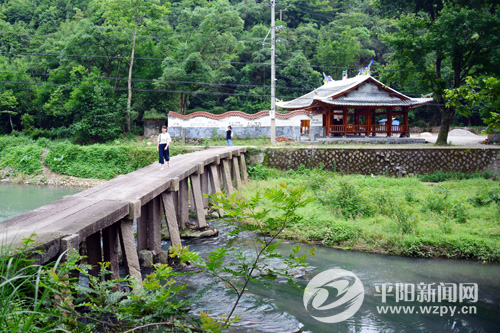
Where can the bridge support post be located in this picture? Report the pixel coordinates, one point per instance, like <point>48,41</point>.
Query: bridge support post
<point>142,229</point>
<point>226,175</point>
<point>198,199</point>
<point>94,255</point>
<point>214,181</point>
<point>236,172</point>
<point>130,258</point>
<point>243,167</point>
<point>154,225</point>
<point>183,197</point>
<point>110,250</point>
<point>171,218</point>
<point>204,186</point>
<point>70,243</point>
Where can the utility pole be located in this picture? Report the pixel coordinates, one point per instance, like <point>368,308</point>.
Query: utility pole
<point>272,112</point>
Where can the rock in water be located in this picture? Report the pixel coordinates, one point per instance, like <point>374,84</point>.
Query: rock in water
<point>146,259</point>
<point>199,233</point>
<point>162,258</point>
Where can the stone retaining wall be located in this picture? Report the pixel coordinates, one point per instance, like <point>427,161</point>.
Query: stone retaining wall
<point>391,161</point>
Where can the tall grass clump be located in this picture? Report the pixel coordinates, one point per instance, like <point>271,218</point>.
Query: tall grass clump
<point>405,218</point>
<point>346,198</point>
<point>436,201</point>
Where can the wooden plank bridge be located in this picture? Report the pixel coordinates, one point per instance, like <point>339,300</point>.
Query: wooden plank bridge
<point>102,217</point>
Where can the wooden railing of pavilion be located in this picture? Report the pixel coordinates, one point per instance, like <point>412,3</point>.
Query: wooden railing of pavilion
<point>367,129</point>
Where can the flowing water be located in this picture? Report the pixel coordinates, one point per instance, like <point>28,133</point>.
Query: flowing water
<point>279,307</point>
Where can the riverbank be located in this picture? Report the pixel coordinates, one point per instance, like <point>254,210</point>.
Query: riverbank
<point>61,163</point>
<point>401,216</point>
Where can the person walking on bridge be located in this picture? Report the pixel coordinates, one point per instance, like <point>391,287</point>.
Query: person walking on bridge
<point>164,140</point>
<point>229,136</point>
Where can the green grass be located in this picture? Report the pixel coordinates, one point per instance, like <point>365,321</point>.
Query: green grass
<point>22,155</point>
<point>401,216</point>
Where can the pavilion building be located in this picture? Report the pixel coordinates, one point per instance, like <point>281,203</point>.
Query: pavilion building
<point>356,106</point>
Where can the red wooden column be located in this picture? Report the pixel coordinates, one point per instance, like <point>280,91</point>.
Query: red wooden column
<point>344,120</point>
<point>389,122</point>
<point>327,120</point>
<point>407,129</point>
<point>368,121</point>
<point>356,119</point>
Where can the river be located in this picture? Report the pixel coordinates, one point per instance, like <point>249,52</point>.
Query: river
<point>279,307</point>
<point>18,199</point>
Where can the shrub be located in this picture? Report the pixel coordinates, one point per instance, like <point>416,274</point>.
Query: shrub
<point>410,196</point>
<point>441,176</point>
<point>348,200</point>
<point>405,218</point>
<point>384,203</point>
<point>259,172</point>
<point>340,232</point>
<point>484,197</point>
<point>436,201</point>
<point>444,222</point>
<point>460,211</point>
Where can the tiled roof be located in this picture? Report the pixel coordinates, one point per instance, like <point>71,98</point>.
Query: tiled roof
<point>257,115</point>
<point>337,92</point>
<point>389,102</point>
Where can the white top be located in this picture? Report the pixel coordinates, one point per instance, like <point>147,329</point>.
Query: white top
<point>164,138</point>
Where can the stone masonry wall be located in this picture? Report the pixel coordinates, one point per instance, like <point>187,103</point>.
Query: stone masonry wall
<point>391,161</point>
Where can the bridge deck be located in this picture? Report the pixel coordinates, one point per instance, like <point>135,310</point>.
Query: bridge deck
<point>94,209</point>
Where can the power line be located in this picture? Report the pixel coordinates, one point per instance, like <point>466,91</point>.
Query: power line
<point>203,61</point>
<point>163,81</point>
<point>216,93</point>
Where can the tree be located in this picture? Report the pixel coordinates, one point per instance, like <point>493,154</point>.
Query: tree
<point>186,78</point>
<point>483,93</point>
<point>446,42</point>
<point>8,102</point>
<point>134,16</point>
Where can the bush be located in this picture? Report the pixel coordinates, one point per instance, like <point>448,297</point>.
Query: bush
<point>347,199</point>
<point>437,201</point>
<point>441,176</point>
<point>460,211</point>
<point>16,141</point>
<point>405,218</point>
<point>484,197</point>
<point>444,222</point>
<point>384,203</point>
<point>259,172</point>
<point>23,159</point>
<point>340,232</point>
<point>410,196</point>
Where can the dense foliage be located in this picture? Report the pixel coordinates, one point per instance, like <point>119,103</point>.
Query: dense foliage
<point>89,69</point>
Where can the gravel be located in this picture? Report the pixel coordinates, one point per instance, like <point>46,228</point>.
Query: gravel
<point>460,132</point>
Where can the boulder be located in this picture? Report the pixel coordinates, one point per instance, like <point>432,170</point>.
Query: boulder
<point>146,259</point>
<point>199,233</point>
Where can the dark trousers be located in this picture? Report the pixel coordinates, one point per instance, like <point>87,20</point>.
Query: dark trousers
<point>163,154</point>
